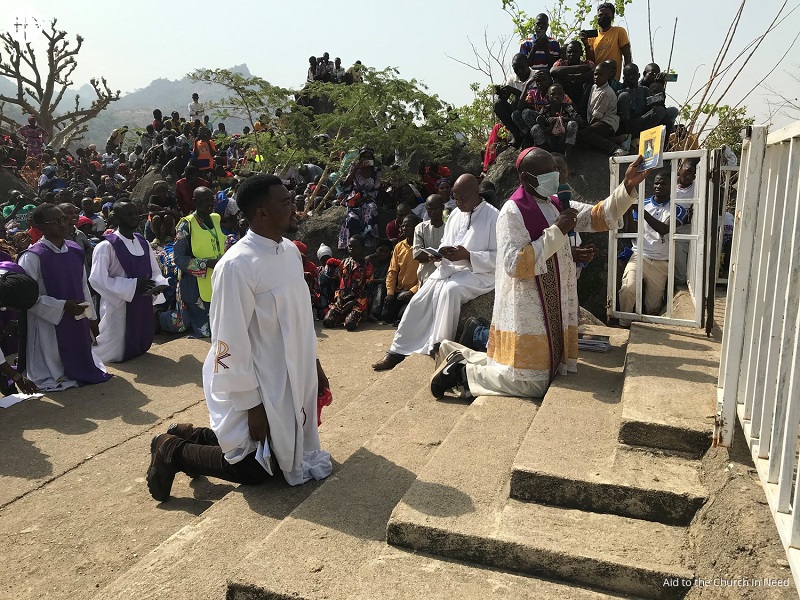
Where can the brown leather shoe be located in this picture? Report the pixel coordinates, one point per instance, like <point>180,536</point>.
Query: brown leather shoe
<point>160,474</point>
<point>388,362</point>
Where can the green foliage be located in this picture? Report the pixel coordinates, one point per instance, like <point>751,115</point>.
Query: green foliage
<point>475,120</point>
<point>567,17</point>
<point>730,122</point>
<point>394,116</point>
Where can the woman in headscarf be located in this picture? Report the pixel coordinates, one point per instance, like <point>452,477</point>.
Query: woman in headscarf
<point>445,189</point>
<point>362,184</point>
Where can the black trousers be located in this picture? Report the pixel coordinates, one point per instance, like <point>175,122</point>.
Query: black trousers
<point>200,454</point>
<point>503,110</point>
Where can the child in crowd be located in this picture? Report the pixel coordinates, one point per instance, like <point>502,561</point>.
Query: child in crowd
<point>351,300</point>
<point>557,123</point>
<point>428,234</point>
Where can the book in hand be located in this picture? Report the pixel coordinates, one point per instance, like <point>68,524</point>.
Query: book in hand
<point>433,252</point>
<point>651,147</point>
<point>593,343</point>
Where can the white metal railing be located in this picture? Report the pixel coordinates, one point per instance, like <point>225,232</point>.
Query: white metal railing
<point>727,190</point>
<point>696,239</point>
<point>759,377</point>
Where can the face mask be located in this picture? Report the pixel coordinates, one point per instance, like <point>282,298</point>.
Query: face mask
<point>604,22</point>
<point>548,184</point>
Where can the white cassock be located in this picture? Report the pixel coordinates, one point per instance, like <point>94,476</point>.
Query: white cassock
<point>116,290</point>
<point>432,315</point>
<point>264,351</point>
<point>44,366</point>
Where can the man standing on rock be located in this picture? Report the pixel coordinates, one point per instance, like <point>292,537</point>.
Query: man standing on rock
<point>124,272</point>
<point>261,377</point>
<point>534,331</point>
<point>465,271</point>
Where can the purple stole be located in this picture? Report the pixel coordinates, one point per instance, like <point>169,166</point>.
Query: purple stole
<point>139,326</point>
<point>62,274</point>
<point>549,284</point>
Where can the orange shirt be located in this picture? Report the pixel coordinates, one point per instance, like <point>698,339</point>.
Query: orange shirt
<point>608,46</point>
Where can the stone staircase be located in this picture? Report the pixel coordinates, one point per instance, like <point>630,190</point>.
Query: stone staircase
<point>587,495</point>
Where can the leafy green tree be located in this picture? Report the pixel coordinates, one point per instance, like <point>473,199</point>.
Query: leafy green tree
<point>567,17</point>
<point>727,131</point>
<point>398,118</point>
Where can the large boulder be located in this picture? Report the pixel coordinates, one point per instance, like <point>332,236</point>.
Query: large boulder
<point>9,181</point>
<point>144,189</point>
<point>590,181</point>
<point>322,229</point>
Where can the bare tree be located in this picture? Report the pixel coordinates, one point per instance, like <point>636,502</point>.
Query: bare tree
<point>40,89</point>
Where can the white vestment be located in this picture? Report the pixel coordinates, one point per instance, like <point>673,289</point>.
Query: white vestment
<point>432,315</point>
<point>116,290</point>
<point>43,361</point>
<point>264,351</point>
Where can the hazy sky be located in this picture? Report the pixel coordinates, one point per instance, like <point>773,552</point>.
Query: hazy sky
<point>132,43</point>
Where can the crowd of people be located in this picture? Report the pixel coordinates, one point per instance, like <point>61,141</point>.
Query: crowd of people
<point>588,92</point>
<point>91,276</point>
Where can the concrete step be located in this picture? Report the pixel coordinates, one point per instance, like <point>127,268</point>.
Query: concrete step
<point>459,508</point>
<point>396,574</point>
<point>197,559</point>
<point>317,550</point>
<point>571,458</point>
<point>669,396</point>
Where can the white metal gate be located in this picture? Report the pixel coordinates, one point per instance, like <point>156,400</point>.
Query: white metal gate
<point>759,377</point>
<point>696,238</point>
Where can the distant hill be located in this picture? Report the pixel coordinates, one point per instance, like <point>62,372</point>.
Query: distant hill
<point>135,109</point>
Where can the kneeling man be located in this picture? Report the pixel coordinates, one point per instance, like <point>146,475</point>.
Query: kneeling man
<point>125,272</point>
<point>261,377</point>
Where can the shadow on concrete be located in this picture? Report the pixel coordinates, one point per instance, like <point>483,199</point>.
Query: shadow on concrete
<point>71,412</point>
<point>676,367</point>
<point>357,499</point>
<point>681,341</point>
<point>439,500</point>
<point>154,369</point>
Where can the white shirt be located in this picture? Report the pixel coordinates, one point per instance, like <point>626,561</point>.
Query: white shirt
<point>518,83</point>
<point>133,157</point>
<point>196,112</point>
<point>656,246</point>
<point>685,193</point>
<point>426,236</point>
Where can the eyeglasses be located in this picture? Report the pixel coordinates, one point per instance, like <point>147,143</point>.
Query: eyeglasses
<point>59,220</point>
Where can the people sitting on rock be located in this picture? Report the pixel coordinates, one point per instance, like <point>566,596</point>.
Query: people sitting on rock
<point>465,271</point>
<point>532,339</point>
<point>533,100</point>
<point>574,73</point>
<point>655,251</point>
<point>611,41</point>
<point>431,174</point>
<point>637,108</point>
<point>540,50</point>
<point>556,127</point>
<point>351,301</point>
<point>429,234</point>
<point>508,96</point>
<point>362,184</point>
<point>401,279</point>
<point>601,115</point>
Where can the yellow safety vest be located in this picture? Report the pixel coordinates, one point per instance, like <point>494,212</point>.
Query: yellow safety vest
<point>206,243</point>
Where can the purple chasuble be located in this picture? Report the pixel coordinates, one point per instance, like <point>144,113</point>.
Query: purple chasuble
<point>62,274</point>
<point>139,329</point>
<point>548,284</point>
